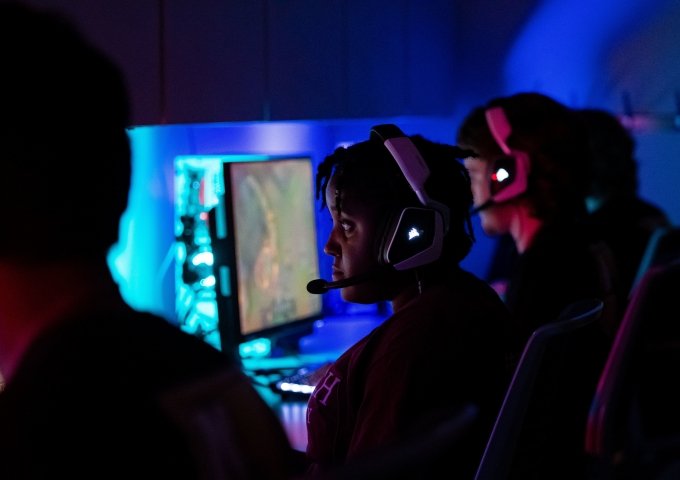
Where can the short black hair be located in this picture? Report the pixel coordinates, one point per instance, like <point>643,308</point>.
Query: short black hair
<point>614,169</point>
<point>368,169</point>
<point>65,153</point>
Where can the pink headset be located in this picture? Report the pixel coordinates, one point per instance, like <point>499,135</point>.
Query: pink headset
<point>510,173</point>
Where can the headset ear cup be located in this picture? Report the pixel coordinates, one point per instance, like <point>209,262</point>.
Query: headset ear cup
<point>509,177</point>
<point>389,225</point>
<point>413,239</point>
<point>503,174</point>
<point>510,173</point>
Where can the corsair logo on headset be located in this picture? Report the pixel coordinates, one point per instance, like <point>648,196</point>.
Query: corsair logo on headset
<point>510,173</point>
<point>414,235</point>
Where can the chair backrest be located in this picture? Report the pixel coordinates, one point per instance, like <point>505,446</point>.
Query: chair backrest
<point>634,418</point>
<point>543,373</point>
<point>663,247</point>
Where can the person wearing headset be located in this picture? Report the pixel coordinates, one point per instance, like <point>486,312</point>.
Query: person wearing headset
<point>400,226</point>
<point>530,179</point>
<point>623,218</point>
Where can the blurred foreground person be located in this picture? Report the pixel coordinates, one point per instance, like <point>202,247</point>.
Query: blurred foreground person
<point>94,389</point>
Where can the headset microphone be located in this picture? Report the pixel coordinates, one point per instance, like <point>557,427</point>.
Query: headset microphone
<point>319,285</point>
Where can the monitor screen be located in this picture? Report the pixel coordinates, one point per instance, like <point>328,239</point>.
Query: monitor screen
<point>271,209</point>
<point>247,246</point>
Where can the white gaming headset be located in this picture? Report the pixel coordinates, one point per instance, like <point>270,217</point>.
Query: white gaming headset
<point>414,235</point>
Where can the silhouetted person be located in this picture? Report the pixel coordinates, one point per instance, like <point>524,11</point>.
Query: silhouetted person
<point>620,216</point>
<point>94,389</point>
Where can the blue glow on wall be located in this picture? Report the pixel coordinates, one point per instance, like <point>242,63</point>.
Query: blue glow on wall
<point>140,261</point>
<point>562,47</point>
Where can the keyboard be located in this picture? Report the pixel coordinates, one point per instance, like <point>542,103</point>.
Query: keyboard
<point>302,382</point>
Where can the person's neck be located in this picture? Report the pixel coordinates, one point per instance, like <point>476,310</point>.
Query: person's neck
<point>524,228</point>
<point>419,281</point>
<point>35,297</point>
<point>404,297</point>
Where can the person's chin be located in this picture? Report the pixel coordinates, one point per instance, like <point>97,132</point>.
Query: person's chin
<point>359,294</point>
<point>491,227</point>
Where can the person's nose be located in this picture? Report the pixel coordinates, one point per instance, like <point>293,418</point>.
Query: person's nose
<point>332,247</point>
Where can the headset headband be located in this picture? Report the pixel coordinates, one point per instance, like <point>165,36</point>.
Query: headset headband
<point>412,165</point>
<point>515,178</point>
<point>415,235</point>
<point>500,127</point>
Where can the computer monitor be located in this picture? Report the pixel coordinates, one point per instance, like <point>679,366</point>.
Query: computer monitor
<point>257,225</point>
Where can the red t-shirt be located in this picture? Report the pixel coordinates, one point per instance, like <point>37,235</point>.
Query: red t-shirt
<point>446,349</point>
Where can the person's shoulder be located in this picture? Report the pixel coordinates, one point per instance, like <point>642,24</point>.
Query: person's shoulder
<point>129,350</point>
<point>206,396</point>
<point>650,214</point>
<point>559,245</point>
<point>627,210</point>
<point>232,428</point>
<point>462,302</point>
<point>165,352</point>
<point>127,371</point>
<point>472,289</point>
